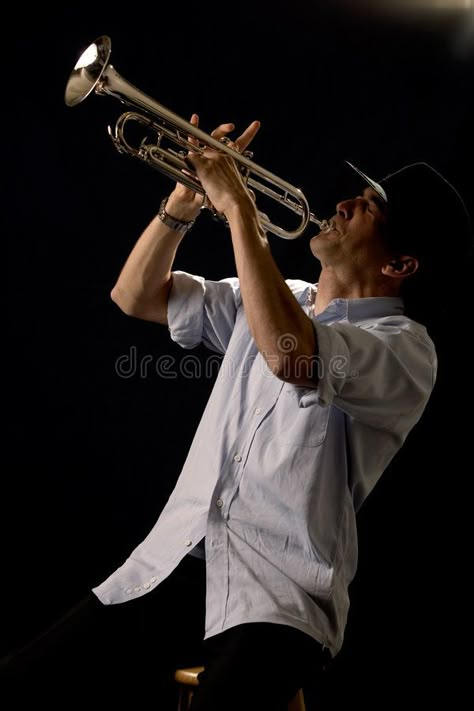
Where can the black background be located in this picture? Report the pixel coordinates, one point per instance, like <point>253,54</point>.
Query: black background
<point>91,457</point>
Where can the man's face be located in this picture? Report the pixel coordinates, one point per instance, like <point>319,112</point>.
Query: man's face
<point>357,237</point>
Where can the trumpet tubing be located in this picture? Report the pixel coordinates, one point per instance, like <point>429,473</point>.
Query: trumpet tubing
<point>94,73</point>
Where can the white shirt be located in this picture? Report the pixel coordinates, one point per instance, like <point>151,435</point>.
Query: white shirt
<point>276,472</point>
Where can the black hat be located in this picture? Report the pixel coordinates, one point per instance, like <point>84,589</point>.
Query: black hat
<point>421,204</point>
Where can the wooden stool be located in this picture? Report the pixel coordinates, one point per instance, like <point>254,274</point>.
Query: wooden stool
<point>188,679</point>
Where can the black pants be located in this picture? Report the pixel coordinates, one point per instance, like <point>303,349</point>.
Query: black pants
<point>127,653</point>
<point>257,667</point>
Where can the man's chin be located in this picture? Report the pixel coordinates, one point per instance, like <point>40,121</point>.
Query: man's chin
<point>313,245</point>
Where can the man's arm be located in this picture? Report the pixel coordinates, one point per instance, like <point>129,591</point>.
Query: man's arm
<point>143,287</point>
<point>283,333</point>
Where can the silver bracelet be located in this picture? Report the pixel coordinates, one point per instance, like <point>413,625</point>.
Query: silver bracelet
<point>172,222</point>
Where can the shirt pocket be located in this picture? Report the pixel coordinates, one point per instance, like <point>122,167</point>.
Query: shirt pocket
<point>299,419</point>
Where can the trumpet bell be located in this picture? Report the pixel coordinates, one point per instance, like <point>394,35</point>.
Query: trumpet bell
<point>88,71</point>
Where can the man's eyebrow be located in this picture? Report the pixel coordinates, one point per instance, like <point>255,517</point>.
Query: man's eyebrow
<point>374,197</point>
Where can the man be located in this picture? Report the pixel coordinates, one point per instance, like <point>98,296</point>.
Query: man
<point>318,389</point>
<point>325,385</point>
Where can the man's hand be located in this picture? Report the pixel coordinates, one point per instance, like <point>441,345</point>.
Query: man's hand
<point>222,180</point>
<point>183,203</point>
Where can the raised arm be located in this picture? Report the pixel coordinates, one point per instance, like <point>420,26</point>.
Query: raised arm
<point>273,314</point>
<point>143,287</point>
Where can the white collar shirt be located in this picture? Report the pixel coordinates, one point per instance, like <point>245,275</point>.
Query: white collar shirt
<point>276,472</point>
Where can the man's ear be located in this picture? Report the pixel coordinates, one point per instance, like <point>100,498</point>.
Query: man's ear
<point>401,267</point>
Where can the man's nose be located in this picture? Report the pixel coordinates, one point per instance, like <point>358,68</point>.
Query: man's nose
<point>345,209</point>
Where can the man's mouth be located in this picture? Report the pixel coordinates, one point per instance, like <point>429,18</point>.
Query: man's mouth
<point>330,227</point>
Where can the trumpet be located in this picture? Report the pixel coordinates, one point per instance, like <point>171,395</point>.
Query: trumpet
<point>174,137</point>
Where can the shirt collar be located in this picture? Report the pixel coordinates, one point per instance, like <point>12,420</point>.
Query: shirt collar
<point>354,310</point>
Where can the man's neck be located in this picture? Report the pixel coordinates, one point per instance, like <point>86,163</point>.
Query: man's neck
<point>331,286</point>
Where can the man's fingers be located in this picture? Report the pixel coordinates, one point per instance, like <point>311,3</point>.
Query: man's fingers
<point>222,130</point>
<point>241,143</point>
<point>191,160</point>
<point>247,136</point>
<point>193,141</point>
<point>195,122</point>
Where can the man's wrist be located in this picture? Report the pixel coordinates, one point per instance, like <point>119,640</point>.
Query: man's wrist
<point>173,221</point>
<point>243,210</point>
<point>181,209</point>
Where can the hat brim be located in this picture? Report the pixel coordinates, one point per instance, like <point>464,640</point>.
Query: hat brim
<point>375,186</point>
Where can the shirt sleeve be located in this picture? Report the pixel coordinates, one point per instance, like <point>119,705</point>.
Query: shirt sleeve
<point>202,311</point>
<point>382,374</point>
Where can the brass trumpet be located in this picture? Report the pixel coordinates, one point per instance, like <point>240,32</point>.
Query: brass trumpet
<point>93,72</point>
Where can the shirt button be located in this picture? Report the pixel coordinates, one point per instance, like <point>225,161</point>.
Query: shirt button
<point>237,458</point>
<point>219,503</point>
<point>137,589</point>
<point>188,543</point>
<point>129,591</point>
<point>146,586</point>
<point>153,579</point>
<point>257,411</point>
